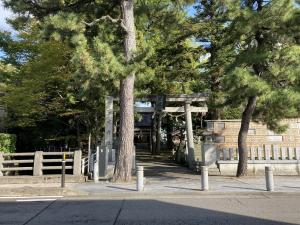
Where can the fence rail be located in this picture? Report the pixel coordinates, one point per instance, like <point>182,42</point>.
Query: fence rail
<point>267,153</point>
<point>19,154</point>
<point>39,162</point>
<point>283,160</point>
<point>17,168</point>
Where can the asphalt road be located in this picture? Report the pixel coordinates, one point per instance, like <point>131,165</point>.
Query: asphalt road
<point>212,210</point>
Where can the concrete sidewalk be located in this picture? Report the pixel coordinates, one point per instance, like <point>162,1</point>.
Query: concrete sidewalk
<point>158,186</point>
<point>192,185</point>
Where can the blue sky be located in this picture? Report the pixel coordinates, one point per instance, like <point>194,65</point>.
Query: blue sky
<point>4,13</point>
<point>191,11</point>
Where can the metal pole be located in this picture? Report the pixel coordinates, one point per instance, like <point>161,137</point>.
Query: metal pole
<point>96,166</point>
<point>204,178</point>
<point>140,178</point>
<point>63,171</point>
<point>269,178</point>
<point>89,152</point>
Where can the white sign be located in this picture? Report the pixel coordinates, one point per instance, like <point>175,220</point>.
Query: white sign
<point>275,138</point>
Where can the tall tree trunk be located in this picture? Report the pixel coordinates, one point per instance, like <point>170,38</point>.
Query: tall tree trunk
<point>214,83</point>
<point>242,138</point>
<point>123,168</point>
<point>247,114</point>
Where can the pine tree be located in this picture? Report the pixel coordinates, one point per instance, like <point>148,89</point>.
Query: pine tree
<point>265,74</point>
<point>85,25</point>
<point>210,29</point>
<point>97,31</point>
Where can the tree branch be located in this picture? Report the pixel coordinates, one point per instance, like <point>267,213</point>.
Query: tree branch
<point>41,9</point>
<point>107,17</point>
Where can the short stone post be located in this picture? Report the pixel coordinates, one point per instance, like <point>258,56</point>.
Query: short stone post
<point>1,163</point>
<point>133,160</point>
<point>38,163</point>
<point>103,161</point>
<point>96,166</point>
<point>77,163</point>
<point>83,166</point>
<point>268,149</point>
<point>209,153</point>
<point>275,152</point>
<point>140,178</point>
<point>89,153</point>
<point>113,155</point>
<point>204,178</point>
<point>269,178</point>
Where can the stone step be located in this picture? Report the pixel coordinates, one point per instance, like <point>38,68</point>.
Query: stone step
<point>213,171</point>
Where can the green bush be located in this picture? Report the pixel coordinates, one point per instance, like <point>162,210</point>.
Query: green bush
<point>7,142</point>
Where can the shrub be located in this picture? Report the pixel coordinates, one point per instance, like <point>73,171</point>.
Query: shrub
<point>7,142</point>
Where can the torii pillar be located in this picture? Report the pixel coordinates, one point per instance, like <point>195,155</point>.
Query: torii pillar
<point>189,134</point>
<point>108,136</point>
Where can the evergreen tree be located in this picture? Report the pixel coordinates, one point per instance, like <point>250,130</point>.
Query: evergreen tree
<point>210,29</point>
<point>265,74</point>
<point>97,31</point>
<point>42,97</point>
<point>173,65</point>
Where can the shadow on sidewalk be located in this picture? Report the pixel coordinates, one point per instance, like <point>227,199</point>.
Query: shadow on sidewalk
<point>183,188</point>
<point>122,188</point>
<point>247,188</point>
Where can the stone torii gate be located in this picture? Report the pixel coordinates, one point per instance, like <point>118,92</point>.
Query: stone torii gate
<point>160,106</point>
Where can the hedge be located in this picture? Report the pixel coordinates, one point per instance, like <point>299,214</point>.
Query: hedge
<point>7,142</point>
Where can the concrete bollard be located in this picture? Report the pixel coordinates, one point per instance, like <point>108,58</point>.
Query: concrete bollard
<point>96,166</point>
<point>96,172</point>
<point>140,178</point>
<point>82,166</point>
<point>269,178</point>
<point>204,178</point>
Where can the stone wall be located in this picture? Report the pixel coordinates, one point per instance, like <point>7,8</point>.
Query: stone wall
<point>224,133</point>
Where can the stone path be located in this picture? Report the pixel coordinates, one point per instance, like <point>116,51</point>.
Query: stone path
<point>163,168</point>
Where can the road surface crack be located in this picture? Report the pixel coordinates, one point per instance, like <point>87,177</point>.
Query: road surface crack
<point>119,212</point>
<point>39,213</point>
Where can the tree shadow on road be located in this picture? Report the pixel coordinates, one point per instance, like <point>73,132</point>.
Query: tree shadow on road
<point>138,212</point>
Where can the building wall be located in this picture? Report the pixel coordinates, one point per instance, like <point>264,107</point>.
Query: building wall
<point>225,134</point>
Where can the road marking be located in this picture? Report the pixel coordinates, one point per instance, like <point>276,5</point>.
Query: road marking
<point>32,197</point>
<point>36,200</point>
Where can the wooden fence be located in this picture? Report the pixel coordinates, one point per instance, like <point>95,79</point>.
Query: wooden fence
<point>38,163</point>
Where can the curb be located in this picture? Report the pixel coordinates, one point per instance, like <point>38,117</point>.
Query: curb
<point>71,193</point>
<point>39,191</point>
